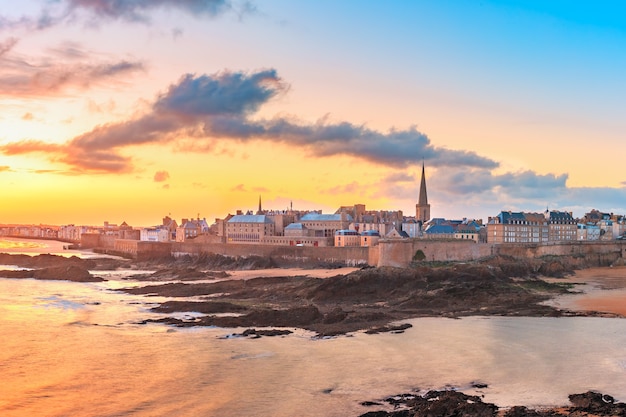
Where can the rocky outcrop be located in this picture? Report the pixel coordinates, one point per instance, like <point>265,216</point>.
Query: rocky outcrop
<point>458,404</point>
<point>50,261</point>
<point>367,299</point>
<point>436,404</point>
<point>61,273</point>
<point>184,273</point>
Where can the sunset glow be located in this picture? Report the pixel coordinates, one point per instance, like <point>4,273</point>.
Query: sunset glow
<point>131,110</point>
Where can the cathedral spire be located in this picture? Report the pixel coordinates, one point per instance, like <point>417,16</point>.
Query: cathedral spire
<point>422,208</point>
<point>260,211</point>
<point>423,198</point>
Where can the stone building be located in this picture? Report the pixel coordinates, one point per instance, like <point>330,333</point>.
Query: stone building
<point>325,225</point>
<point>518,227</point>
<point>562,226</point>
<point>249,228</point>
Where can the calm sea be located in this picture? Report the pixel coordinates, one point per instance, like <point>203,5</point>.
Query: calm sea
<point>75,349</point>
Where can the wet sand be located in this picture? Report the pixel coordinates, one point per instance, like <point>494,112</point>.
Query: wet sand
<point>600,289</point>
<point>289,272</point>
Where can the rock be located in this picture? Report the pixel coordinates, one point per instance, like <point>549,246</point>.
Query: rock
<point>335,316</point>
<point>61,273</point>
<point>268,332</point>
<point>437,404</point>
<point>520,411</point>
<point>597,403</point>
<point>393,329</point>
<point>70,273</point>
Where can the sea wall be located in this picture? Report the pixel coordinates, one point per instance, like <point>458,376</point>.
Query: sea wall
<point>282,255</point>
<point>389,252</point>
<point>401,253</point>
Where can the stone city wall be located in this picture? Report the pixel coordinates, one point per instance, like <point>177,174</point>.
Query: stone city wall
<point>281,255</point>
<point>398,253</point>
<point>598,253</point>
<point>401,253</point>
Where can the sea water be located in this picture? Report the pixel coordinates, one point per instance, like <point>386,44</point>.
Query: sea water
<point>77,349</point>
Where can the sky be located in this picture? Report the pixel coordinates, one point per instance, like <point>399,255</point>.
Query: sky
<point>132,110</point>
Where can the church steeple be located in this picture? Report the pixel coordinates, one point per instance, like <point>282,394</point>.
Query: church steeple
<point>423,199</point>
<point>260,211</point>
<point>422,208</point>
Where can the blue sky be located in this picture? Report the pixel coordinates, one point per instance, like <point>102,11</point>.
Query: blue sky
<point>512,105</point>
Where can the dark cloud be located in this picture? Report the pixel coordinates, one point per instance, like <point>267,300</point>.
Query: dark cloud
<point>199,111</point>
<point>22,76</point>
<point>225,94</point>
<point>161,176</point>
<point>474,180</point>
<point>137,10</point>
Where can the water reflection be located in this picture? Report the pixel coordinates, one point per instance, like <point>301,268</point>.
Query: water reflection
<point>77,349</point>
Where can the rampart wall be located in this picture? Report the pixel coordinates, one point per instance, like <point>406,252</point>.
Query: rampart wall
<point>400,253</point>
<point>396,252</point>
<point>281,255</point>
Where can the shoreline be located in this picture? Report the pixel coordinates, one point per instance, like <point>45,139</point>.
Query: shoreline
<point>599,289</point>
<point>329,287</point>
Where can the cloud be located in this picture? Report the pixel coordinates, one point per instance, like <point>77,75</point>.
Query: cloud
<point>5,168</point>
<point>30,146</point>
<point>352,188</point>
<point>526,184</point>
<point>220,108</point>
<point>58,12</point>
<point>137,10</point>
<point>161,176</point>
<point>27,116</point>
<point>66,68</point>
<point>7,45</point>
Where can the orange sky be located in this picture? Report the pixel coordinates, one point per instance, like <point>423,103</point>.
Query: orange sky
<point>125,111</point>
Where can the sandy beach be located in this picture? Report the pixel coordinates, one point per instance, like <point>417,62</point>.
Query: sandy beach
<point>290,272</point>
<point>600,289</point>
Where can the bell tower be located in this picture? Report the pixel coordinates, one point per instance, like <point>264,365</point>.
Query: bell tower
<point>422,208</point>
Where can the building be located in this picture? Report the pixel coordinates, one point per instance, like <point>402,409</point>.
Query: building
<point>347,238</point>
<point>325,225</point>
<point>422,208</point>
<point>562,226</point>
<point>518,227</point>
<point>154,234</point>
<point>412,227</point>
<point>249,228</point>
<point>469,230</point>
<point>370,238</point>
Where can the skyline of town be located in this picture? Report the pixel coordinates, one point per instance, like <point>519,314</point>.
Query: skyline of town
<point>132,110</point>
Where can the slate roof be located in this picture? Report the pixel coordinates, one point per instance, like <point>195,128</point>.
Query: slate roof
<point>440,229</point>
<point>250,218</point>
<point>561,216</point>
<point>370,233</point>
<point>296,226</point>
<point>315,217</point>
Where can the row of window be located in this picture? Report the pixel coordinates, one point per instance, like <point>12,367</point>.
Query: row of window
<point>244,237</point>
